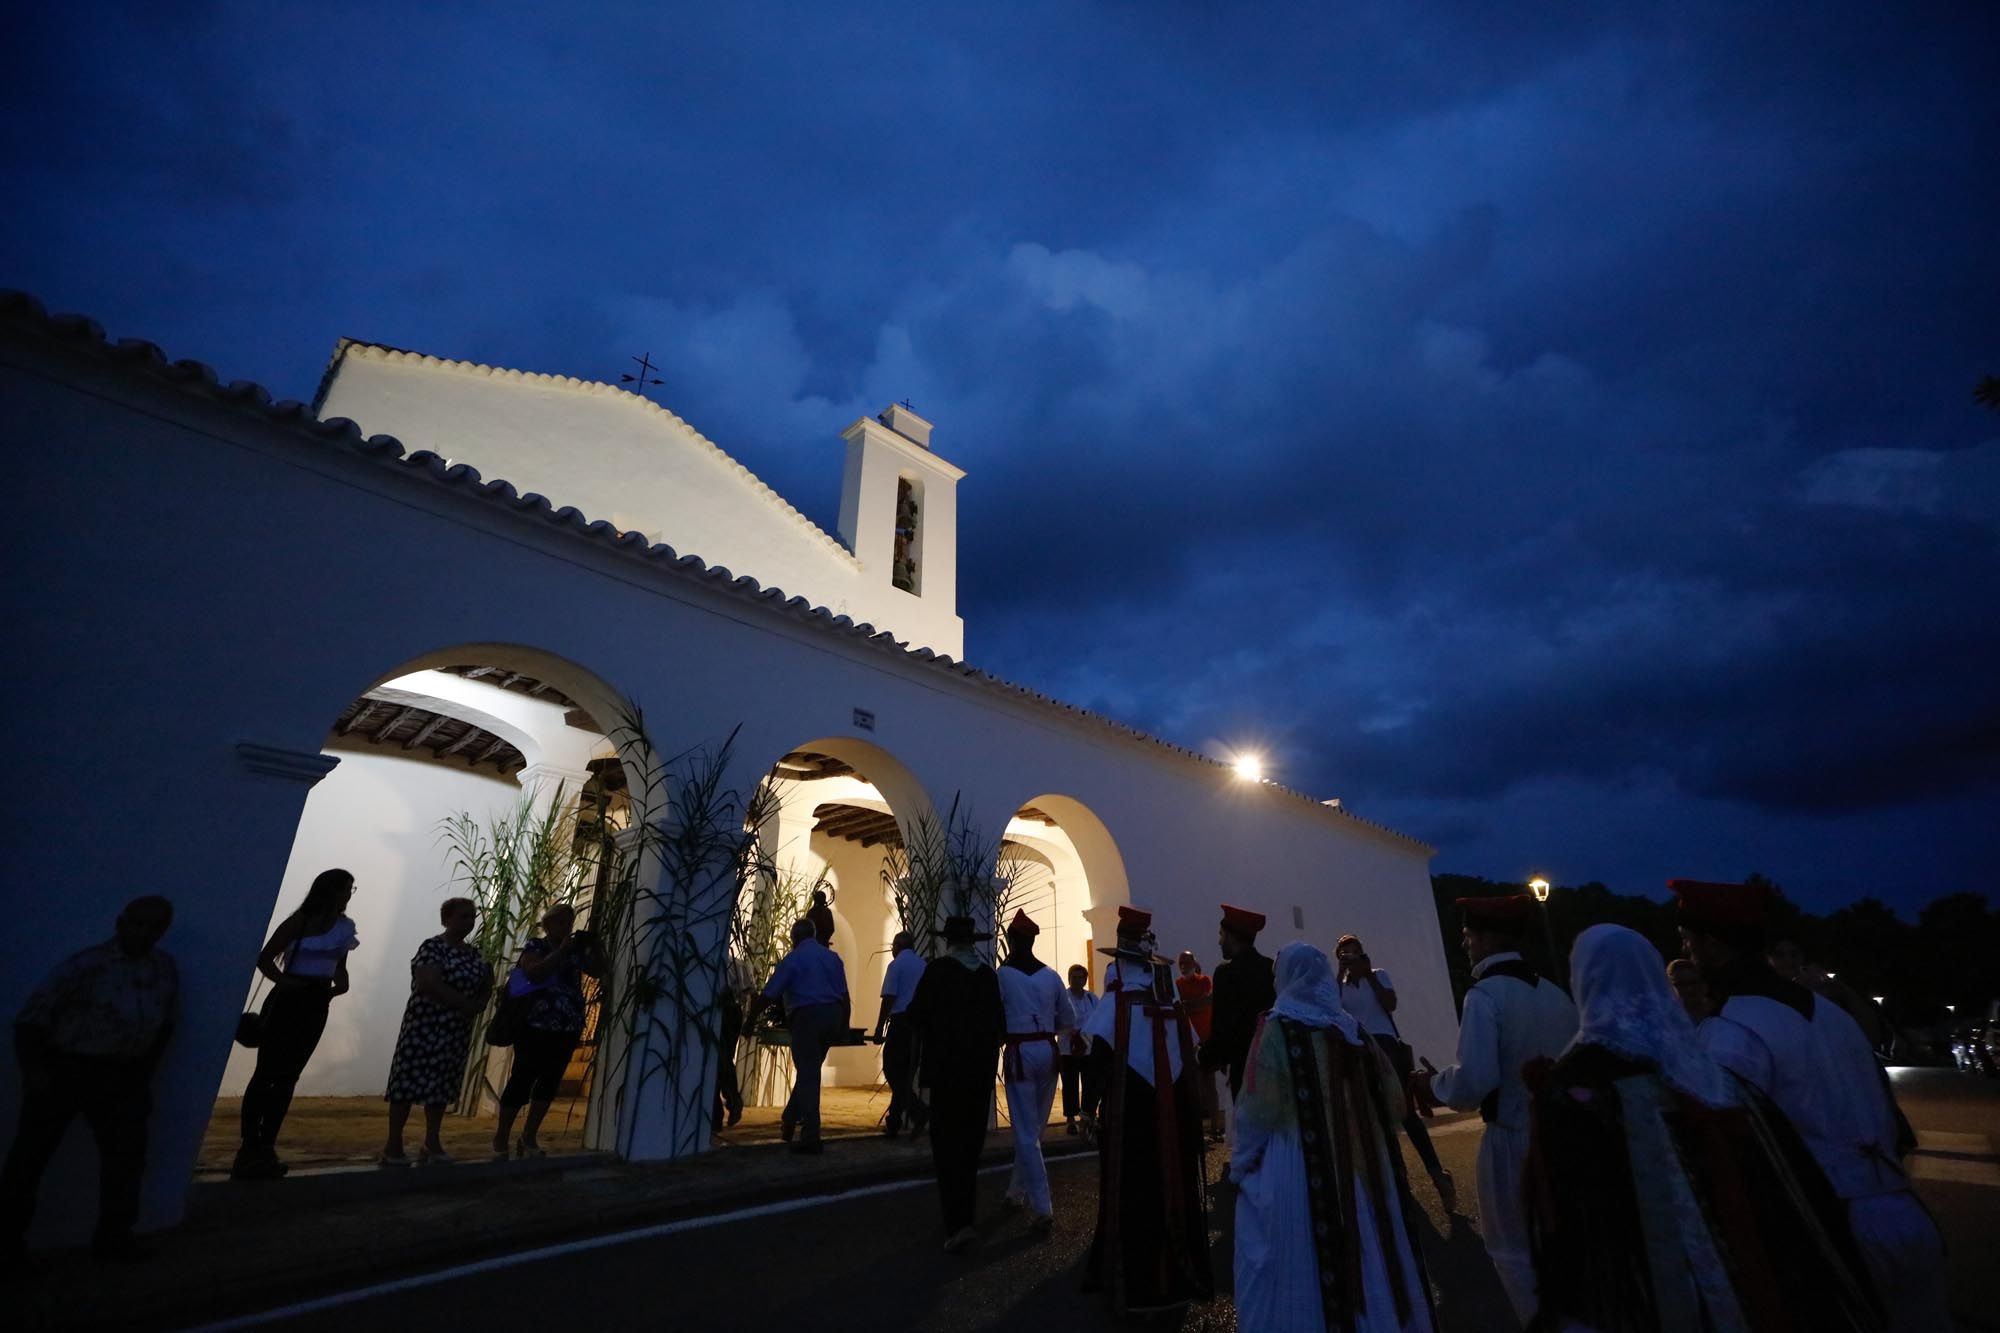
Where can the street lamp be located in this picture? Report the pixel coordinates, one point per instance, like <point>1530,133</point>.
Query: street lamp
<point>1249,767</point>
<point>1540,888</point>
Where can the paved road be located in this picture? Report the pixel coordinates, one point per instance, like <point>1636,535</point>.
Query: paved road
<point>872,1260</point>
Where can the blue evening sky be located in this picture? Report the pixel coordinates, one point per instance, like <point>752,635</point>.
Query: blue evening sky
<point>1548,428</point>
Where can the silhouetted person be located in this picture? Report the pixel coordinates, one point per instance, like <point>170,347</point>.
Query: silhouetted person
<point>812,982</point>
<point>821,917</point>
<point>449,986</point>
<point>306,962</point>
<point>960,1023</point>
<point>550,971</point>
<point>728,1109</point>
<point>1368,993</point>
<point>899,987</point>
<point>88,1041</point>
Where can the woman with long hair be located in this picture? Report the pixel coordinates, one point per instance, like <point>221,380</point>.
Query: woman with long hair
<point>305,960</point>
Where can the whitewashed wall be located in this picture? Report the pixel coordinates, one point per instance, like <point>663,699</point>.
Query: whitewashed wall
<point>629,461</point>
<point>376,816</point>
<point>291,574</point>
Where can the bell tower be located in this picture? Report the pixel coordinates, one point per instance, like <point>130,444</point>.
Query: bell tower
<point>899,509</point>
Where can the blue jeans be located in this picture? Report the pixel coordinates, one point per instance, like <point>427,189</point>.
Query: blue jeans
<point>814,1028</point>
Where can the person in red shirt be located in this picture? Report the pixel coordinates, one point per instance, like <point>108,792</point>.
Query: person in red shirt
<point>1195,987</point>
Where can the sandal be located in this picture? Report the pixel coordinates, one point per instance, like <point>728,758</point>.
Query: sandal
<point>524,1149</point>
<point>391,1160</point>
<point>434,1157</point>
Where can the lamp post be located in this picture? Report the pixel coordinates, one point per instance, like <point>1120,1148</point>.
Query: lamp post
<point>1540,888</point>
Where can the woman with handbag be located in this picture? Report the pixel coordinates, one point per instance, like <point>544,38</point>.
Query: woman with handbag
<point>544,1007</point>
<point>449,983</point>
<point>305,960</point>
<point>1367,993</point>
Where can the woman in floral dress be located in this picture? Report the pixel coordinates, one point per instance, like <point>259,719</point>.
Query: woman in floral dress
<point>449,983</point>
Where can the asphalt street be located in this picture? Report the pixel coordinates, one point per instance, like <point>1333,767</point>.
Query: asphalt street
<point>872,1259</point>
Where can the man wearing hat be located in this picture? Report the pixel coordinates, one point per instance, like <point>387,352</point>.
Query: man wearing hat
<point>959,1023</point>
<point>1037,1008</point>
<point>1512,1016</point>
<point>1812,1059</point>
<point>1150,1250</point>
<point>1244,987</point>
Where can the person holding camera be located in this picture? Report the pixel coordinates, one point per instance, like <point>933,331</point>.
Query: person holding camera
<point>1367,993</point>
<point>550,970</point>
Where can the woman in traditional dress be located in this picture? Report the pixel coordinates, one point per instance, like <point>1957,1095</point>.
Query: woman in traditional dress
<point>1324,1238</point>
<point>449,983</point>
<point>1665,1195</point>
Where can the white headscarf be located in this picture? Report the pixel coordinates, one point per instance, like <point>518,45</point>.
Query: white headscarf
<point>1625,1005</point>
<point>1307,992</point>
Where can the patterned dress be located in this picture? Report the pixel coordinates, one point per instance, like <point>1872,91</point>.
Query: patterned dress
<point>430,1049</point>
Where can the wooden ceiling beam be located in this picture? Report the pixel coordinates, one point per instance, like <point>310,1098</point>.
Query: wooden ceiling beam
<point>382,733</point>
<point>425,732</point>
<point>366,711</point>
<point>472,736</point>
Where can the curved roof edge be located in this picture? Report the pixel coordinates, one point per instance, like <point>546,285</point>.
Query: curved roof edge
<point>193,377</point>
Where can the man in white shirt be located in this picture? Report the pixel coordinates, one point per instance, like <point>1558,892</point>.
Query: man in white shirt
<point>899,987</point>
<point>1037,1008</point>
<point>1079,1075</point>
<point>1512,1016</point>
<point>1812,1059</point>
<point>1369,997</point>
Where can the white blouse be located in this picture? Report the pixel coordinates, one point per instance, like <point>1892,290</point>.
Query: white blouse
<point>319,955</point>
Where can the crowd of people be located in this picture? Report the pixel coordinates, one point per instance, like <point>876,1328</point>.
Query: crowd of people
<point>91,1034</point>
<point>1701,1144</point>
<point>1706,1144</point>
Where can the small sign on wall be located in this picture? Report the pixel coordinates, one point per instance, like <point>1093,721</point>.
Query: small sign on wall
<point>864,719</point>
<point>1298,917</point>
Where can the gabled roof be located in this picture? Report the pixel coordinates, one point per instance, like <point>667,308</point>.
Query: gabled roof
<point>374,351</point>
<point>21,311</point>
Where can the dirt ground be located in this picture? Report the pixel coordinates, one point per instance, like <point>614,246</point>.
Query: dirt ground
<point>349,1131</point>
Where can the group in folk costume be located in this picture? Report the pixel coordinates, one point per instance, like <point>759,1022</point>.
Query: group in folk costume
<point>1037,1008</point>
<point>1150,1251</point>
<point>1665,1194</point>
<point>1810,1058</point>
<point>1325,1235</point>
<point>1511,1016</point>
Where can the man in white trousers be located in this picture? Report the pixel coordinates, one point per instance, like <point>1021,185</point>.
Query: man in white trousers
<point>1512,1016</point>
<point>1038,1008</point>
<point>1812,1059</point>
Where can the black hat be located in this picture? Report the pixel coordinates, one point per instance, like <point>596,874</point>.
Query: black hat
<point>958,930</point>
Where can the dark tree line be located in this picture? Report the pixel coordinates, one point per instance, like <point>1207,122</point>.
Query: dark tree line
<point>1947,957</point>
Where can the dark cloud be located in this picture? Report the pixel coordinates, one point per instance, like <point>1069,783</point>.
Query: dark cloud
<point>1548,430</point>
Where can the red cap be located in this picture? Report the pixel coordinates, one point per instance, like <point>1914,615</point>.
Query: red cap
<point>1021,925</point>
<point>1241,920</point>
<point>1508,912</point>
<point>1134,920</point>
<point>1721,906</point>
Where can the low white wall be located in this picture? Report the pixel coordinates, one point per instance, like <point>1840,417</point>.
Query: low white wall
<point>377,816</point>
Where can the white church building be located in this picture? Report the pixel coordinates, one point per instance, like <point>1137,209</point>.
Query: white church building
<point>251,640</point>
